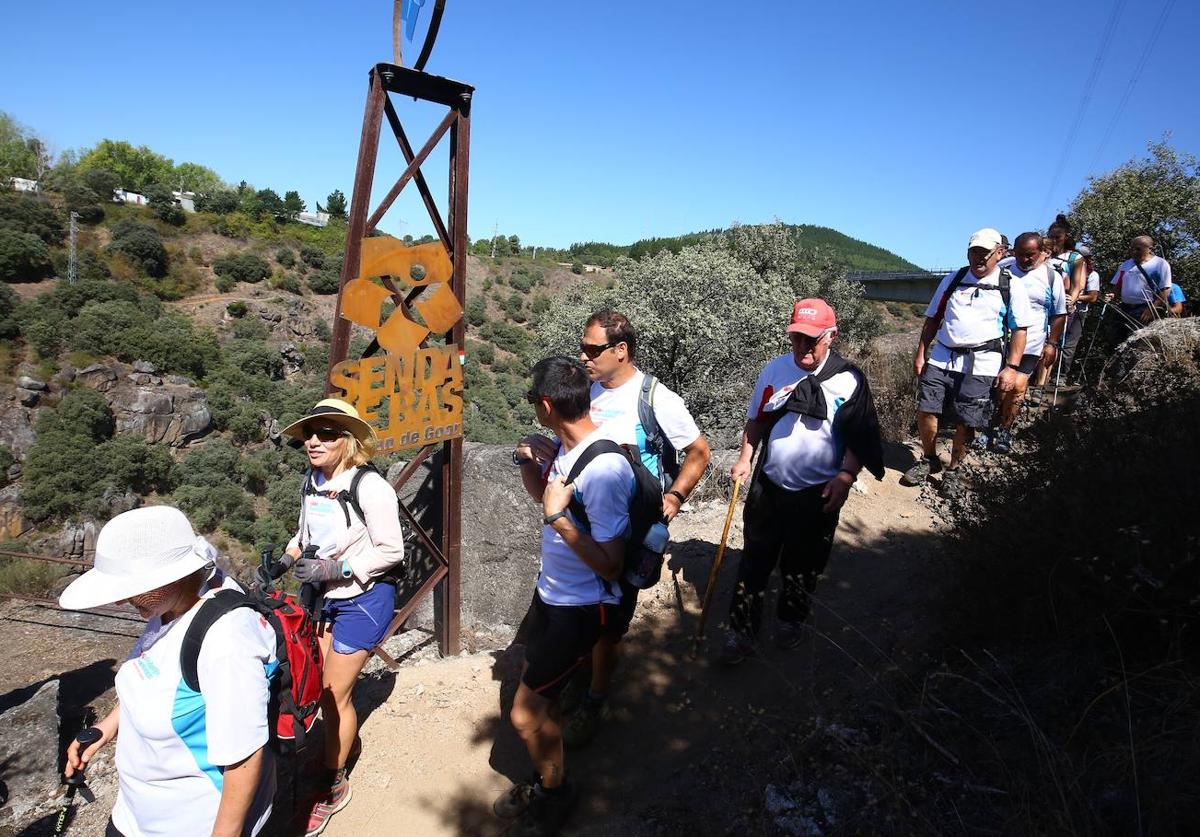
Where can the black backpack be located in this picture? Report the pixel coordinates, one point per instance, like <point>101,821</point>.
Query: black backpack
<point>657,441</point>
<point>645,506</point>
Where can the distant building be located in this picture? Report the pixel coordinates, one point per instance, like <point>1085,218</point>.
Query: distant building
<point>314,219</point>
<point>22,184</point>
<point>127,197</point>
<point>186,200</point>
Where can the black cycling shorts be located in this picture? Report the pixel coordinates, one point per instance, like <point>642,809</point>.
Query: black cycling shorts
<point>559,640</point>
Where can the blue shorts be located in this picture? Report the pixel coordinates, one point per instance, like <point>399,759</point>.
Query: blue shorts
<point>359,622</point>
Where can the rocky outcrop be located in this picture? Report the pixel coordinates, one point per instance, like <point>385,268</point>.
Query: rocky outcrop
<point>12,521</point>
<point>28,735</point>
<point>1156,363</point>
<point>16,427</point>
<point>167,410</point>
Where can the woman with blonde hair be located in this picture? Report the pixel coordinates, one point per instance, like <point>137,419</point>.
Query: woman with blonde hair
<point>348,543</point>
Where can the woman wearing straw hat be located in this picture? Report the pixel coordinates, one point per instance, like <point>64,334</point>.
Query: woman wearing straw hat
<point>353,555</point>
<point>189,763</point>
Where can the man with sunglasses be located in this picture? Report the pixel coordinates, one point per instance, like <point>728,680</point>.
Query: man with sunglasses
<point>607,351</point>
<point>965,323</point>
<point>813,414</point>
<point>575,595</point>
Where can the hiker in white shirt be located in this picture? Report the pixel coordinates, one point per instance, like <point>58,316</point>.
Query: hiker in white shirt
<point>1143,282</point>
<point>1043,286</point>
<point>1078,317</point>
<point>1066,258</point>
<point>189,763</point>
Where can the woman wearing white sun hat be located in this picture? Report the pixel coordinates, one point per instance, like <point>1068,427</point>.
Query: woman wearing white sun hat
<point>188,762</point>
<point>357,547</point>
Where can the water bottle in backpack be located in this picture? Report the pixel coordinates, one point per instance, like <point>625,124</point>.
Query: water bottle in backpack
<point>647,569</point>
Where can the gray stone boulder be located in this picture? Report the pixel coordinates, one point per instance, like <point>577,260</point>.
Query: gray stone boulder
<point>12,518</point>
<point>28,397</point>
<point>16,427</point>
<point>26,382</point>
<point>98,376</point>
<point>29,753</point>
<point>1160,361</point>
<point>167,413</point>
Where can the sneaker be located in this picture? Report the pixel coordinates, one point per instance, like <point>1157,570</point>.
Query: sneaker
<point>980,442</point>
<point>920,471</point>
<point>581,728</point>
<point>547,811</point>
<point>789,634</point>
<point>738,646</point>
<point>1003,441</point>
<point>951,486</point>
<point>335,800</point>
<point>513,802</point>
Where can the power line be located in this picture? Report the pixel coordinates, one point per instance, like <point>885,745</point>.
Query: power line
<point>1110,28</point>
<point>1133,80</point>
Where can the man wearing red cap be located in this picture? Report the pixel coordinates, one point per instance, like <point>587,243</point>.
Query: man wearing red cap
<point>813,412</point>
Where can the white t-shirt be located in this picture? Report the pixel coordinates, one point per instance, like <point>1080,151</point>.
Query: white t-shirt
<point>974,317</point>
<point>173,742</point>
<point>620,404</point>
<point>1134,289</point>
<point>1064,264</point>
<point>605,488</point>
<point>1093,284</point>
<point>803,449</point>
<point>1047,299</point>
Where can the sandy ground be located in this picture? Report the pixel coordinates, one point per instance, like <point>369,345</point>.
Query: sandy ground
<point>684,742</point>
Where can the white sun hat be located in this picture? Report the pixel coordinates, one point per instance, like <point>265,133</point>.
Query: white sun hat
<point>136,552</point>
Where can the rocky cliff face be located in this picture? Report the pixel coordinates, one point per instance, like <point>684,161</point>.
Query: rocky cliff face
<point>167,409</point>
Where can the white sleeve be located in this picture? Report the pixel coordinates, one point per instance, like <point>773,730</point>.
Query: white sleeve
<point>673,417</point>
<point>1021,313</point>
<point>754,409</point>
<point>931,309</point>
<point>1093,282</point>
<point>606,487</point>
<point>1058,296</point>
<point>232,666</point>
<point>1165,281</point>
<point>381,512</point>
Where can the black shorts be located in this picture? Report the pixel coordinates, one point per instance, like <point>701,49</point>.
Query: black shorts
<point>559,640</point>
<point>964,399</point>
<point>622,614</point>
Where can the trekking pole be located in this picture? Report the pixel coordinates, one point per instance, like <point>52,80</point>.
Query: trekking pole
<point>87,736</point>
<point>716,568</point>
<point>1092,342</point>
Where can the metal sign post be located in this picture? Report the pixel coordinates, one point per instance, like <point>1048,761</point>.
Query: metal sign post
<point>409,388</point>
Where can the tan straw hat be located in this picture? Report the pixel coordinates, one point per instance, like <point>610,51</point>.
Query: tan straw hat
<point>334,411</point>
<point>136,552</point>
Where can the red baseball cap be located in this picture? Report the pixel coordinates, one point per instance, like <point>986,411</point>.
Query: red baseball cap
<point>812,317</point>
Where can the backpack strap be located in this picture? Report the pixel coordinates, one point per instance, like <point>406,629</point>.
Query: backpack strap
<point>945,300</point>
<point>1151,287</point>
<point>646,415</point>
<point>348,499</point>
<point>1005,284</point>
<point>225,601</point>
<point>589,453</point>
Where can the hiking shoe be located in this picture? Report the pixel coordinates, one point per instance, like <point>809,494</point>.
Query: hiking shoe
<point>951,486</point>
<point>789,634</point>
<point>920,471</point>
<point>513,802</point>
<point>547,811</point>
<point>580,729</point>
<point>325,807</point>
<point>1002,443</point>
<point>980,442</point>
<point>738,646</point>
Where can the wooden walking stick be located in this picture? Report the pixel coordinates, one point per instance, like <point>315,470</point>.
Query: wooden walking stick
<point>716,568</point>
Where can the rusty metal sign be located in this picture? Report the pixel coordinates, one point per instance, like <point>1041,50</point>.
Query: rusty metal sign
<point>413,393</point>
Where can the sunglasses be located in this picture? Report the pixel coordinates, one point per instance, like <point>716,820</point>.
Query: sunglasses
<point>324,434</point>
<point>593,351</point>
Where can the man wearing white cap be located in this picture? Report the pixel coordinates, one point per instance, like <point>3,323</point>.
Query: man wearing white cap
<point>189,763</point>
<point>964,337</point>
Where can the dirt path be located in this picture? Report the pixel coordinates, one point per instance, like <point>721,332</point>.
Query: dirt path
<point>685,739</point>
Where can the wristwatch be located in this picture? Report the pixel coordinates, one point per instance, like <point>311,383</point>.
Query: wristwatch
<point>682,499</point>
<point>550,518</point>
<point>1012,366</point>
<point>520,460</point>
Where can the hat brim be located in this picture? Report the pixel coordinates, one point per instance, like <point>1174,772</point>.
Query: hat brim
<point>808,330</point>
<point>96,587</point>
<point>358,428</point>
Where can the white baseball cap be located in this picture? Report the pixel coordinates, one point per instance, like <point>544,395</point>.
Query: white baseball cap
<point>987,238</point>
<point>136,552</point>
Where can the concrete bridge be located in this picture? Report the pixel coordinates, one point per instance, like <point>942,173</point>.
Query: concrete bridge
<point>915,286</point>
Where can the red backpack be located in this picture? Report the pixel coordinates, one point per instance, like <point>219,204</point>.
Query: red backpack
<point>295,682</point>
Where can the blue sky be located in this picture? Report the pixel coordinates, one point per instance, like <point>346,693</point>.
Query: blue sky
<point>907,125</point>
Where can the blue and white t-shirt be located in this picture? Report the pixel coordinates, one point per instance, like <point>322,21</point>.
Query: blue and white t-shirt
<point>974,317</point>
<point>1047,300</point>
<point>173,743</point>
<point>605,488</point>
<point>620,404</point>
<point>804,450</point>
<point>1135,290</point>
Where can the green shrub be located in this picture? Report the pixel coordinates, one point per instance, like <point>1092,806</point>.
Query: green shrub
<point>476,312</point>
<point>480,353</point>
<point>28,214</point>
<point>243,267</point>
<point>142,245</point>
<point>312,256</point>
<point>286,282</point>
<point>285,257</point>
<point>196,255</point>
<point>577,267</point>
<point>237,308</point>
<point>23,257</point>
<point>514,307</point>
<point>6,461</point>
<point>28,578</point>
<point>321,329</point>
<point>324,282</point>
